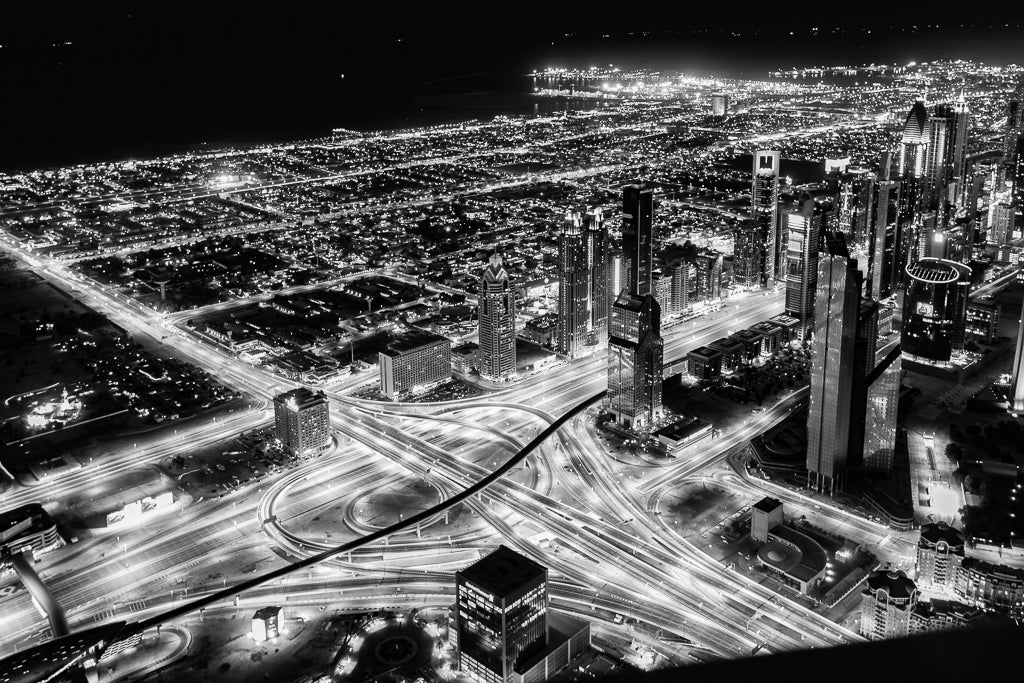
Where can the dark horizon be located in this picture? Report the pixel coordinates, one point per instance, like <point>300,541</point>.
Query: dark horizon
<point>103,84</point>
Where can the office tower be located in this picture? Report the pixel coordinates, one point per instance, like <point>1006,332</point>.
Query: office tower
<point>638,238</point>
<point>836,312</point>
<point>765,515</point>
<point>938,160</point>
<point>886,603</point>
<point>683,274</point>
<point>803,227</point>
<point>914,143</point>
<point>935,311</point>
<point>709,275</point>
<point>881,410</point>
<point>414,362</point>
<point>1000,223</point>
<point>854,206</point>
<point>940,551</point>
<point>1017,191</point>
<point>302,421</point>
<point>1013,131</point>
<point>596,234</point>
<point>884,243</point>
<point>1017,378</point>
<point>616,275</point>
<point>764,210</point>
<point>501,615</point>
<point>496,358</point>
<point>719,105</point>
<point>635,347</point>
<point>573,288</point>
<point>748,255</point>
<point>958,142</point>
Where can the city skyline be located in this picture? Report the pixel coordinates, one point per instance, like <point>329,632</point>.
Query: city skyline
<point>618,366</point>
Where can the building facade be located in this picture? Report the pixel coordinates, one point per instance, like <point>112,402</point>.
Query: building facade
<point>764,210</point>
<point>501,615</point>
<point>302,421</point>
<point>413,363</point>
<point>573,288</point>
<point>940,552</point>
<point>886,605</point>
<point>803,228</point>
<point>496,357</point>
<point>935,310</point>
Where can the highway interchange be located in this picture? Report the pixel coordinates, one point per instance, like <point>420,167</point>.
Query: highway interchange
<point>614,553</point>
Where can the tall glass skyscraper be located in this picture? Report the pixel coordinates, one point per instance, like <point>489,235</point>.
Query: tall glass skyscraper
<point>635,348</point>
<point>501,614</point>
<point>803,228</point>
<point>837,308</point>
<point>573,288</point>
<point>764,210</point>
<point>1017,378</point>
<point>935,311</point>
<point>884,247</point>
<point>497,323</point>
<point>598,277</point>
<point>748,255</point>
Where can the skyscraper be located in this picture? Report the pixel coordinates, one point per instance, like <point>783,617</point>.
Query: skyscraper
<point>302,421</point>
<point>855,199</point>
<point>802,229</point>
<point>497,323</point>
<point>958,143</point>
<point>638,238</point>
<point>501,614</point>
<point>573,288</point>
<point>748,255</point>
<point>836,311</point>
<point>914,142</point>
<point>940,550</point>
<point>719,105</point>
<point>1017,378</point>
<point>884,244</point>
<point>935,311</point>
<point>597,277</point>
<point>881,410</point>
<point>634,344</point>
<point>764,210</point>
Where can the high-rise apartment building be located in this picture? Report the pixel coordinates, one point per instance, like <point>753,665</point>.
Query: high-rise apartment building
<point>501,615</point>
<point>748,255</point>
<point>803,227</point>
<point>414,362</point>
<point>302,421</point>
<point>914,143</point>
<point>886,605</point>
<point>940,551</point>
<point>709,275</point>
<point>573,288</point>
<point>496,358</point>
<point>598,300</point>
<point>719,105</point>
<point>635,349</point>
<point>764,210</point>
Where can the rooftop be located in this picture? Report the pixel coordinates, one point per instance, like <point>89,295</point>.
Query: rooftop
<point>267,612</point>
<point>412,341</point>
<point>932,534</point>
<point>300,397</point>
<point>503,571</point>
<point>705,352</point>
<point>680,429</point>
<point>896,583</point>
<point>13,521</point>
<point>794,553</point>
<point>767,504</point>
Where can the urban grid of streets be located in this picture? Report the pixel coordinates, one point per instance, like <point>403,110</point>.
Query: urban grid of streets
<point>617,553</point>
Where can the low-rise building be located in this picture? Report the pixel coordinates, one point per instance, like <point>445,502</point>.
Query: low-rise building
<point>772,335</point>
<point>541,330</point>
<point>733,352</point>
<point>990,586</point>
<point>793,557</point>
<point>266,624</point>
<point>704,363</point>
<point>28,527</point>
<point>789,324</point>
<point>682,433</point>
<point>753,343</point>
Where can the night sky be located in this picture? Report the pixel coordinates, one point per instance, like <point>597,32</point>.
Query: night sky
<point>90,81</point>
